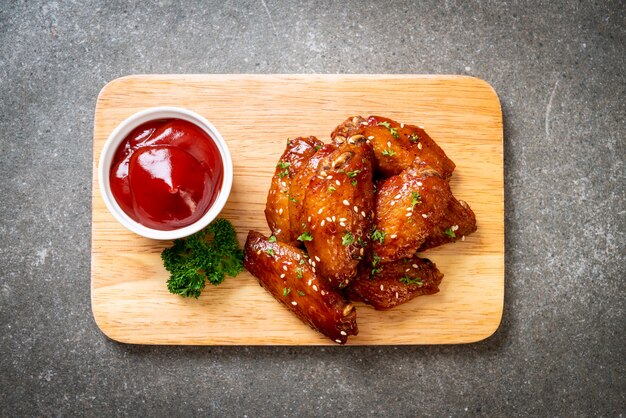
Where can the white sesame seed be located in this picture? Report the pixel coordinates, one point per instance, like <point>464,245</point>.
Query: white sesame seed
<point>454,227</point>
<point>282,276</point>
<point>350,140</point>
<point>337,182</point>
<point>407,270</point>
<point>414,266</point>
<point>396,295</point>
<point>370,137</point>
<point>319,212</point>
<point>309,219</point>
<point>280,211</point>
<point>323,173</point>
<point>393,202</point>
<point>282,183</point>
<point>343,333</point>
<point>389,144</point>
<point>294,303</point>
<point>398,196</point>
<point>362,251</point>
<point>310,261</point>
<point>323,222</point>
<point>313,263</point>
<point>419,183</point>
<point>342,224</point>
<point>338,341</point>
<point>356,209</point>
<point>463,238</point>
<point>424,216</point>
<point>329,178</point>
<point>342,219</point>
<point>317,259</point>
<point>419,145</point>
<point>313,269</point>
<point>333,218</point>
<point>409,209</point>
<point>315,287</point>
<point>382,287</point>
<point>329,219</point>
<point>409,214</point>
<point>393,236</point>
<point>284,267</point>
<point>323,292</point>
<point>258,252</point>
<point>309,282</point>
<point>345,202</point>
<point>313,226</point>
<point>363,213</point>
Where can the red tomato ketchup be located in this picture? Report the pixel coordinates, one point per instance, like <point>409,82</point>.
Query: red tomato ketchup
<point>166,174</point>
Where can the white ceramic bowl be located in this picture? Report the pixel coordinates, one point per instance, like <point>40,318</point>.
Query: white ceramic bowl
<point>125,128</point>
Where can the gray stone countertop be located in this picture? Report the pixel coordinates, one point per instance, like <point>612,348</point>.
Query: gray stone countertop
<point>559,69</point>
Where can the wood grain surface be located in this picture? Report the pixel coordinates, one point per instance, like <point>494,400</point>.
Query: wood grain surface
<point>256,114</point>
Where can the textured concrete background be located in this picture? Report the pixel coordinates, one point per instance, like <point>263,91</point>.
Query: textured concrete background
<point>559,69</point>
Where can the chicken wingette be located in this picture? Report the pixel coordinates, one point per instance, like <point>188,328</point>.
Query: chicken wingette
<point>287,274</point>
<point>396,146</point>
<point>337,212</point>
<point>297,153</point>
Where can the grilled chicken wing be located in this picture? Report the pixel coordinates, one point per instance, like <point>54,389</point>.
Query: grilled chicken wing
<point>338,210</point>
<point>458,220</point>
<point>385,286</point>
<point>283,271</point>
<point>396,146</point>
<point>408,206</point>
<point>296,154</point>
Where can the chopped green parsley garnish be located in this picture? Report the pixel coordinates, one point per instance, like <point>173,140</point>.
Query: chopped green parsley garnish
<point>449,232</point>
<point>414,138</point>
<point>283,164</point>
<point>416,199</point>
<point>270,251</point>
<point>317,147</point>
<point>301,262</point>
<point>331,188</point>
<point>347,239</point>
<point>283,173</point>
<point>299,271</point>
<point>376,268</point>
<point>293,199</point>
<point>306,236</point>
<point>301,293</point>
<point>272,238</point>
<point>412,280</point>
<point>378,236</point>
<point>286,291</point>
<point>389,152</point>
<point>394,131</point>
<point>354,182</point>
<point>352,174</point>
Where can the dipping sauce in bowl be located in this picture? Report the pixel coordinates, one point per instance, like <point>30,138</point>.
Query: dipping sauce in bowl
<point>166,174</point>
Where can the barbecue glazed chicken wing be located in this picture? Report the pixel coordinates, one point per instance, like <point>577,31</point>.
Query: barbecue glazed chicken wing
<point>407,207</point>
<point>385,286</point>
<point>297,153</point>
<point>396,146</point>
<point>286,273</point>
<point>458,220</point>
<point>337,212</point>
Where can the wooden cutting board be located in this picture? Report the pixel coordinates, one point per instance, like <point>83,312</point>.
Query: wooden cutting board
<point>256,114</point>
